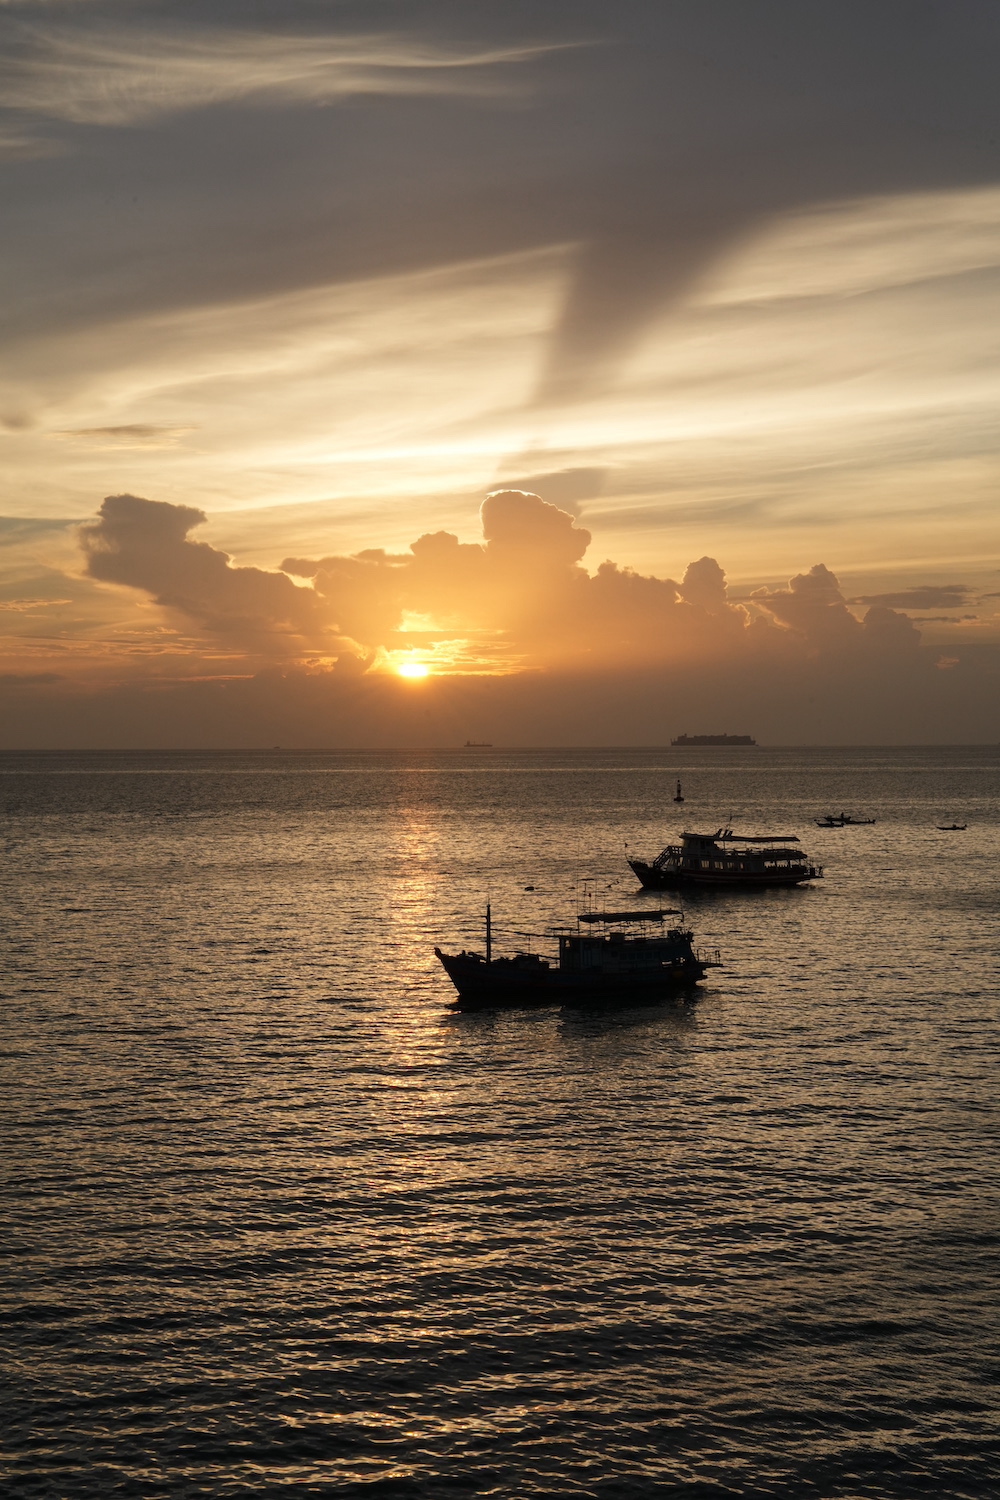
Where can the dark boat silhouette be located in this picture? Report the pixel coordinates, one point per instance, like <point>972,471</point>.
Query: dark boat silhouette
<point>727,858</point>
<point>616,957</point>
<point>843,820</point>
<point>951,827</point>
<point>713,739</point>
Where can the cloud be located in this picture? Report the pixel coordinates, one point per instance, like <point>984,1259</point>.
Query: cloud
<point>135,76</point>
<point>24,606</point>
<point>525,645</point>
<point>812,605</point>
<point>20,145</point>
<point>925,596</point>
<point>17,529</point>
<point>144,544</point>
<point>29,679</point>
<point>520,599</point>
<point>853,413</point>
<point>704,585</point>
<point>815,609</point>
<point>131,435</point>
<point>525,530</point>
<point>523,598</point>
<point>563,487</point>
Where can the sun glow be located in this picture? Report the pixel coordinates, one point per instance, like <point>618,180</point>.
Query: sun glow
<point>412,669</point>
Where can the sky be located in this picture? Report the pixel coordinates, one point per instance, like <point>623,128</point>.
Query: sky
<point>547,373</point>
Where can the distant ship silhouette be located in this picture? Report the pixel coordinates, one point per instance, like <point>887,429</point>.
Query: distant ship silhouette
<point>477,745</point>
<point>713,739</point>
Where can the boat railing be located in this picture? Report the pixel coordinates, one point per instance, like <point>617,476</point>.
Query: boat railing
<point>710,957</point>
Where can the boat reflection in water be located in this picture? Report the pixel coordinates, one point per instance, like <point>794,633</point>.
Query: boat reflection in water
<point>623,957</point>
<point>727,858</point>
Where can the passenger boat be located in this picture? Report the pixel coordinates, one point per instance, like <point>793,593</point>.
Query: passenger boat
<point>616,957</point>
<point>727,858</point>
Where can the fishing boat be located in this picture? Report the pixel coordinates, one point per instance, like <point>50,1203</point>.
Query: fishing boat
<point>951,827</point>
<point>843,820</point>
<point>725,858</point>
<point>616,957</point>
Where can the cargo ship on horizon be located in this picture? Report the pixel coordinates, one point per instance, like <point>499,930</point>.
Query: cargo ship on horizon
<point>713,739</point>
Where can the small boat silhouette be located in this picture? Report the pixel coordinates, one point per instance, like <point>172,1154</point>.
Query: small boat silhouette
<point>952,827</point>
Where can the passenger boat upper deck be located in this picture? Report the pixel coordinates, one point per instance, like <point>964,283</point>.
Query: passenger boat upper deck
<point>727,858</point>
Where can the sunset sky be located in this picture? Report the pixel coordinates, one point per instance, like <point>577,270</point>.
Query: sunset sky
<point>704,293</point>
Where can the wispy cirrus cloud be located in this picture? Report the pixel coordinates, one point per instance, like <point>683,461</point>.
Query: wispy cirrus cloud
<point>129,435</point>
<point>137,75</point>
<point>924,596</point>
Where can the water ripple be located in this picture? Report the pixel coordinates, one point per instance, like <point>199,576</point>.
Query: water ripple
<point>279,1223</point>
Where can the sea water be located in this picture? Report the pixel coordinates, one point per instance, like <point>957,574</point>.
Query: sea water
<point>278,1221</point>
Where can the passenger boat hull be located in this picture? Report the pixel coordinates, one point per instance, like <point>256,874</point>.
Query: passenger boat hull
<point>512,982</point>
<point>653,879</point>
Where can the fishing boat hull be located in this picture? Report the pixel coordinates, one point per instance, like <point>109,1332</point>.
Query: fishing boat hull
<point>529,981</point>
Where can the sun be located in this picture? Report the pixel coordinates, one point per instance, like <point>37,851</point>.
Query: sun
<point>412,669</point>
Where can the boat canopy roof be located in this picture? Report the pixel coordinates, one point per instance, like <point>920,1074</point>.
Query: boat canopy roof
<point>726,835</point>
<point>629,916</point>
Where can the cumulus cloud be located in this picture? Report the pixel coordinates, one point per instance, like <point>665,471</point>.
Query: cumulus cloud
<point>519,599</point>
<point>814,607</point>
<point>144,544</point>
<point>522,597</point>
<point>525,645</point>
<point>525,529</point>
<point>704,585</point>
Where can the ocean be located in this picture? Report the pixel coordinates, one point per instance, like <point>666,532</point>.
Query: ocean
<point>279,1221</point>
